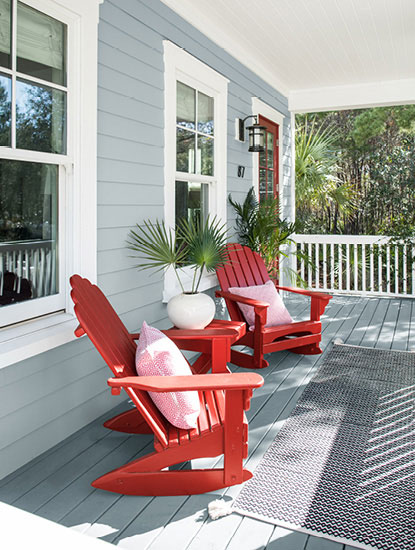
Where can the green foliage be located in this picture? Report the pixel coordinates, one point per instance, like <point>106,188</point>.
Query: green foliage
<point>202,246</point>
<point>373,172</point>
<point>318,189</point>
<point>260,227</point>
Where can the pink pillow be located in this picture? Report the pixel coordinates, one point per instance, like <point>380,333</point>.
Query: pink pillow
<point>157,355</point>
<point>277,313</point>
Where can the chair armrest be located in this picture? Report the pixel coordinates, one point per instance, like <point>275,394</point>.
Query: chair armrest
<point>311,293</point>
<point>260,308</point>
<point>319,300</point>
<point>236,381</point>
<point>241,299</point>
<point>177,334</point>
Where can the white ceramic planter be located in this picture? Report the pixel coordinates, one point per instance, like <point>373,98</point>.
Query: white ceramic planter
<point>191,311</point>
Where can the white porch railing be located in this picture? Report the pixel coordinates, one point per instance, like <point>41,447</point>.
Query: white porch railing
<point>356,264</point>
<point>31,260</point>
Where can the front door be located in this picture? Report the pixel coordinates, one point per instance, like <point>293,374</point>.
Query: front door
<point>268,161</point>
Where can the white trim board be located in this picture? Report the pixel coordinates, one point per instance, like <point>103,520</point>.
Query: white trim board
<point>261,108</point>
<point>79,172</point>
<point>355,96</point>
<point>180,65</point>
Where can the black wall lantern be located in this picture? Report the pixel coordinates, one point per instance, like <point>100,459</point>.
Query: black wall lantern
<point>256,134</point>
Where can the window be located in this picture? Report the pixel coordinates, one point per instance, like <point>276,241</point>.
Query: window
<point>196,121</point>
<point>47,166</point>
<point>33,117</point>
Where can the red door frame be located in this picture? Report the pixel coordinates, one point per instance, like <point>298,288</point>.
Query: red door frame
<point>272,128</point>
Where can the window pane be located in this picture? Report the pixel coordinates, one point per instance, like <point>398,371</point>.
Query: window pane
<point>205,156</point>
<point>41,45</point>
<point>262,159</point>
<point>270,183</point>
<point>191,201</point>
<point>185,151</point>
<point>270,150</point>
<point>5,34</point>
<point>205,114</point>
<point>5,110</point>
<point>40,118</point>
<point>28,230</point>
<point>186,106</point>
<point>262,184</point>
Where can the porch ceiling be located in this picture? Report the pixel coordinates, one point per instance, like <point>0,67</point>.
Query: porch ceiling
<point>317,52</point>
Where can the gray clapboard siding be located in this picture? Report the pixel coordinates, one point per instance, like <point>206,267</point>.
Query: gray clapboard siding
<point>48,397</point>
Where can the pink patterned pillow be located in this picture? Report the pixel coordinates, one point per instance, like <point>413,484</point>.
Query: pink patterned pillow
<point>157,355</point>
<point>277,313</point>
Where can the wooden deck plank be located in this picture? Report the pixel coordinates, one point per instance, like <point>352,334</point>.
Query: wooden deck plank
<point>387,331</point>
<point>73,494</point>
<point>356,337</point>
<point>318,543</point>
<point>251,533</point>
<point>284,539</point>
<point>23,479</point>
<point>372,333</point>
<point>411,338</point>
<point>65,476</point>
<point>401,334</point>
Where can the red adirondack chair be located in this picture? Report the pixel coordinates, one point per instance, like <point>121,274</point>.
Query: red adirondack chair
<point>246,268</point>
<point>222,427</point>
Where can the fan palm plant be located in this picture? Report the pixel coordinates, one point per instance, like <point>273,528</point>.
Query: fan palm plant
<point>317,186</point>
<point>260,227</point>
<point>201,246</point>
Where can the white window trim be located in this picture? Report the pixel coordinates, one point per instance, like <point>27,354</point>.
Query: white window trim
<point>180,65</point>
<point>35,336</point>
<point>261,108</point>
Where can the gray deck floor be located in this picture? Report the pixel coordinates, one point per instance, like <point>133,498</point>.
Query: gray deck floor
<point>57,484</point>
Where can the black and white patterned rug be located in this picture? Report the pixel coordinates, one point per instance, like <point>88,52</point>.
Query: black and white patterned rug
<point>343,465</point>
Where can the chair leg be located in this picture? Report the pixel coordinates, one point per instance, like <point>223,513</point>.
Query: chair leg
<point>247,361</point>
<point>130,422</point>
<point>146,475</point>
<point>310,349</point>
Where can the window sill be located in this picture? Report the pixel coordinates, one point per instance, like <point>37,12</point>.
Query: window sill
<point>33,337</point>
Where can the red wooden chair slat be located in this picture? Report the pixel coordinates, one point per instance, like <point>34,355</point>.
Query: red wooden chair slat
<point>217,424</point>
<point>246,268</point>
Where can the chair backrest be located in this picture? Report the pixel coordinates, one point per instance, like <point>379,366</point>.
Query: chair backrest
<point>111,338</point>
<point>245,268</point>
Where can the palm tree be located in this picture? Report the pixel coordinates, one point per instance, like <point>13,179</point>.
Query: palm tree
<point>319,192</point>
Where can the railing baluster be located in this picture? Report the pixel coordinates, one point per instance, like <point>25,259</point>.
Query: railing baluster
<point>380,268</point>
<point>325,266</point>
<point>396,269</point>
<point>372,270</point>
<point>302,261</point>
<point>363,267</point>
<point>356,285</point>
<point>388,268</point>
<point>340,267</point>
<point>310,258</point>
<point>405,286</point>
<point>347,267</point>
<point>332,264</point>
<point>317,252</point>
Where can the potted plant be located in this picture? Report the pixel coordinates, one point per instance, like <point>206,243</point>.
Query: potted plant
<point>200,246</point>
<point>260,227</point>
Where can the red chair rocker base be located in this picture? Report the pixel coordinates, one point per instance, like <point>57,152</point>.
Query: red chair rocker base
<point>246,268</point>
<point>222,427</point>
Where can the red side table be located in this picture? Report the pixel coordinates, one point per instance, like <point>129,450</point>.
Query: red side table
<point>217,352</point>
